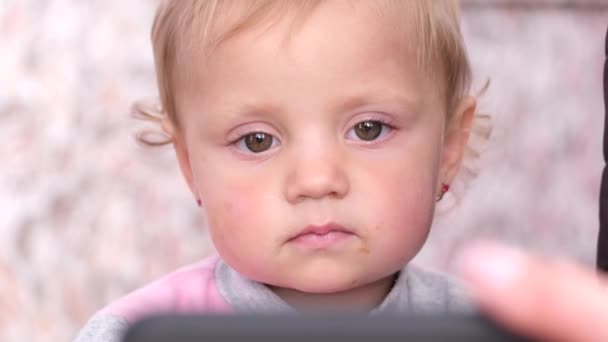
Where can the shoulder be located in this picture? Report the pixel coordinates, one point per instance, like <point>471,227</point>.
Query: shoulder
<point>437,291</point>
<point>189,289</point>
<point>103,329</point>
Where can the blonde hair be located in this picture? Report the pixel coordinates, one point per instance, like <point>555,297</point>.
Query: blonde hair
<point>191,27</point>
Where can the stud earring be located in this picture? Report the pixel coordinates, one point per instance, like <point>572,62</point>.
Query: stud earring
<point>444,188</point>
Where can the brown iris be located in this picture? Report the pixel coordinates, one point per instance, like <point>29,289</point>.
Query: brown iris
<point>368,130</point>
<point>258,142</point>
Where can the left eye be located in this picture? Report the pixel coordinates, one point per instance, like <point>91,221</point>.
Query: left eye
<point>368,130</point>
<point>257,142</point>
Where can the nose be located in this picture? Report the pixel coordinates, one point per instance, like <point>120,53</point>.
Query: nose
<point>317,176</point>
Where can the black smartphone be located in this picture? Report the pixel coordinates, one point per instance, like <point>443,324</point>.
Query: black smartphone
<point>299,328</point>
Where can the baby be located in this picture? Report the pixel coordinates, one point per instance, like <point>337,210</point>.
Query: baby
<point>317,137</point>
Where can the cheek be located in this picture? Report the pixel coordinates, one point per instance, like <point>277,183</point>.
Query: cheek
<point>237,216</point>
<point>401,184</point>
<point>401,198</point>
<point>407,202</point>
<point>229,206</point>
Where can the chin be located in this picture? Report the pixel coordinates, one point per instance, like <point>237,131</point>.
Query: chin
<point>326,282</point>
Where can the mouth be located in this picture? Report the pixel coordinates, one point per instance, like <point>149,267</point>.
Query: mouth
<point>322,236</point>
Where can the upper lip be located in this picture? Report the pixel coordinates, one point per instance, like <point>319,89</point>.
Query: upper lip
<point>321,230</point>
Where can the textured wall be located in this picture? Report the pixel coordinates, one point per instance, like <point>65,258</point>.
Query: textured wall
<point>86,214</point>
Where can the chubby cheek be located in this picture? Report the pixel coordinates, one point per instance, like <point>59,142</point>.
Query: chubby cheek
<point>238,222</point>
<point>401,204</point>
<point>409,225</point>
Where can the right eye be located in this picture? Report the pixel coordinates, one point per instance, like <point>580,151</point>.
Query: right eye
<point>256,142</point>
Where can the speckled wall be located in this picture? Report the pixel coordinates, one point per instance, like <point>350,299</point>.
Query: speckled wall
<point>86,214</point>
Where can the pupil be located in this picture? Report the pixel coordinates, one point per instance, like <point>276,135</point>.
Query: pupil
<point>258,142</point>
<point>368,130</point>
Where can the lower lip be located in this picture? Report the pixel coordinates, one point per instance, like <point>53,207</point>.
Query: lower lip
<point>319,241</point>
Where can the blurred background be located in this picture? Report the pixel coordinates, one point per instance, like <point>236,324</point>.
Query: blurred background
<point>87,215</point>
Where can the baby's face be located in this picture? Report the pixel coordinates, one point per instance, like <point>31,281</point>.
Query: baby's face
<point>316,157</point>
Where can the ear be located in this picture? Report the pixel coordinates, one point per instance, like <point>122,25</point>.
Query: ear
<point>457,135</point>
<point>181,151</point>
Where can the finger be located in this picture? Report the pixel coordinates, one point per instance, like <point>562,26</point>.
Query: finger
<point>547,300</point>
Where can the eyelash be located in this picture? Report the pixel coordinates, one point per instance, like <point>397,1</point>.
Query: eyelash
<point>239,143</point>
<point>243,149</point>
<point>386,125</point>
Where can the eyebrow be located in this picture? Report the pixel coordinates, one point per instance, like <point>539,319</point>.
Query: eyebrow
<point>350,103</point>
<point>252,109</point>
<point>343,104</point>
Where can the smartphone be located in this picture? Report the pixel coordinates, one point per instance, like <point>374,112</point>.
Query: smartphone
<point>300,328</point>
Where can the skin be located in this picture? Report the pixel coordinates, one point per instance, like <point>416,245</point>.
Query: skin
<point>338,69</point>
<point>549,300</point>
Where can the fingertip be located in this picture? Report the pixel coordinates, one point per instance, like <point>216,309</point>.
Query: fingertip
<point>546,299</point>
<point>490,266</point>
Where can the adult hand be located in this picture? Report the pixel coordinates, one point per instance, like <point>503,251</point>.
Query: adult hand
<point>548,300</point>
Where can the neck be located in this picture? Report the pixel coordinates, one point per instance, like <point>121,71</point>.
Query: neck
<point>357,300</point>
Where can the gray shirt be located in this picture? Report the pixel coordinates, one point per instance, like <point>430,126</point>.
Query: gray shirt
<point>416,291</point>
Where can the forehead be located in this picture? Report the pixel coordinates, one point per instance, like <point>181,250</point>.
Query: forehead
<point>342,40</point>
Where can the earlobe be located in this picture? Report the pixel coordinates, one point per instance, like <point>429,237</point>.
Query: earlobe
<point>444,189</point>
<point>457,137</point>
